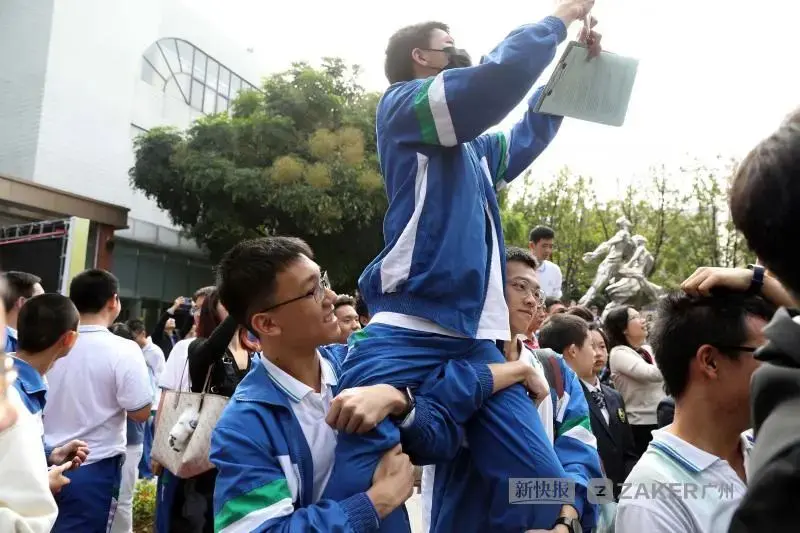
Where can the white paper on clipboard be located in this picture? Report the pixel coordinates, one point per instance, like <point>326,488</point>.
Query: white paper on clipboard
<point>597,91</point>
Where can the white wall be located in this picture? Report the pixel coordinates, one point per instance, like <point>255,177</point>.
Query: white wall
<point>93,93</point>
<point>24,44</point>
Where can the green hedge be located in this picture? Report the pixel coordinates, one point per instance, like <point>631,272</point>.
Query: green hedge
<point>144,506</point>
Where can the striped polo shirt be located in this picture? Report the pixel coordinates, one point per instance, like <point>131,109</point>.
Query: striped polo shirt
<point>677,487</point>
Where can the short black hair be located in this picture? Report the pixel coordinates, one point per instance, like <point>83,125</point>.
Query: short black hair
<point>43,320</point>
<point>361,306</point>
<point>121,329</point>
<point>344,299</point>
<point>541,232</point>
<point>91,290</point>
<point>247,272</point>
<point>765,201</point>
<point>582,313</point>
<point>136,326</point>
<point>685,323</point>
<point>399,65</point>
<point>561,331</point>
<point>550,301</point>
<point>520,255</point>
<point>18,285</point>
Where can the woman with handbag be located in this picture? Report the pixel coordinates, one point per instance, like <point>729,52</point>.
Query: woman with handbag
<point>218,359</point>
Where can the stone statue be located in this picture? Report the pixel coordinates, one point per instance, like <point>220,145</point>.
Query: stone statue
<point>617,250</point>
<point>631,286</point>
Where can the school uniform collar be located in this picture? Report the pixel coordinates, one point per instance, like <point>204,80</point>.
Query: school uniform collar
<point>12,332</point>
<point>90,328</point>
<point>293,388</point>
<point>31,381</point>
<point>592,386</point>
<point>692,458</point>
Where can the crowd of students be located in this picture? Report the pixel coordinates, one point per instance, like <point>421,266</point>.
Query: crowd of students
<point>458,356</point>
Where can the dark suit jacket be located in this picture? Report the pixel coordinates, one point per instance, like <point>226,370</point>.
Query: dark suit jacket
<point>614,440</point>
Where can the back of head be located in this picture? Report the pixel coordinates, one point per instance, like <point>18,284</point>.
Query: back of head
<point>120,329</point>
<point>136,326</point>
<point>91,290</point>
<point>247,273</point>
<point>685,323</point>
<point>541,232</point>
<point>18,285</point>
<point>581,312</point>
<point>43,320</point>
<point>561,331</point>
<point>361,307</point>
<point>765,201</point>
<point>209,315</point>
<point>399,65</point>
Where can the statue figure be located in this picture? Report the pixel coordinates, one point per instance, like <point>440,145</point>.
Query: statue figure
<point>631,286</point>
<point>617,250</point>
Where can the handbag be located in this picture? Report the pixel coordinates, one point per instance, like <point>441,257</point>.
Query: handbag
<point>193,459</point>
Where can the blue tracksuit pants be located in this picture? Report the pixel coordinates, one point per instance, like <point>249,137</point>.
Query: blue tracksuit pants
<point>505,436</point>
<point>88,503</point>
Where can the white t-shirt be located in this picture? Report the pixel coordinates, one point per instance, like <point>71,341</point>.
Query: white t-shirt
<point>311,408</point>
<point>701,490</point>
<point>550,279</point>
<point>176,371</point>
<point>91,389</point>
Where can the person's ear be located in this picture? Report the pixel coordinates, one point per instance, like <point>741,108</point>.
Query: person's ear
<point>264,325</point>
<point>68,341</point>
<point>707,357</point>
<point>570,351</point>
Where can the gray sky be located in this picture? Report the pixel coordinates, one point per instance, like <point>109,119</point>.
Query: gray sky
<point>714,76</point>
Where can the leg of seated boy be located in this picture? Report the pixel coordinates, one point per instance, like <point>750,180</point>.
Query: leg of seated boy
<point>509,435</point>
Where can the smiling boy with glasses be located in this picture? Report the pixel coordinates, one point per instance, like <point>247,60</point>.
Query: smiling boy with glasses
<point>704,348</point>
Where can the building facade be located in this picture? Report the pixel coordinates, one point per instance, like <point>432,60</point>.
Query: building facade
<point>80,80</point>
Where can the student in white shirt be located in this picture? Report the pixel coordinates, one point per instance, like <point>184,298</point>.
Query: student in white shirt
<point>541,245</point>
<point>102,381</point>
<point>26,505</point>
<point>704,347</point>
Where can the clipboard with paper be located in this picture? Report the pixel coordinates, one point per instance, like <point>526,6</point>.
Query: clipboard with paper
<point>596,91</point>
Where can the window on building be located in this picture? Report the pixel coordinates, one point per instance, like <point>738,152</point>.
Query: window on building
<point>184,71</point>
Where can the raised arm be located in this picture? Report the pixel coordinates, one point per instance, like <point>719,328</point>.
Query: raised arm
<point>204,352</point>
<point>508,154</point>
<point>458,105</point>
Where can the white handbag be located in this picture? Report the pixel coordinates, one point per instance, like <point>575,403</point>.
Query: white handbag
<point>192,457</point>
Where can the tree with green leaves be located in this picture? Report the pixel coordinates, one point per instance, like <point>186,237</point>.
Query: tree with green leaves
<point>685,228</point>
<point>296,158</point>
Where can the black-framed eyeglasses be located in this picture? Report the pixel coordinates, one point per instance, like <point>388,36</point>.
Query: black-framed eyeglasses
<point>748,349</point>
<point>318,293</point>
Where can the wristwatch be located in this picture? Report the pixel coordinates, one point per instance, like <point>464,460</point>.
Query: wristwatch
<point>757,283</point>
<point>573,524</point>
<point>411,403</point>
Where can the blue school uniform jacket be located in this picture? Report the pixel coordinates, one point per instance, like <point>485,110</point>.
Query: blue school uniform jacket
<point>265,467</point>
<point>459,494</point>
<point>443,258</point>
